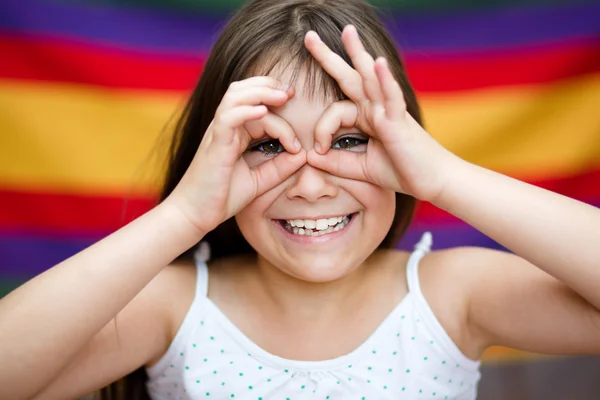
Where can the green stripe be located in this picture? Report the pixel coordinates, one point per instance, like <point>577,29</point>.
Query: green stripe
<point>396,5</point>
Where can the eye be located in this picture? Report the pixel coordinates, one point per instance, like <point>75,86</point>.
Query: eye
<point>268,147</point>
<point>349,142</point>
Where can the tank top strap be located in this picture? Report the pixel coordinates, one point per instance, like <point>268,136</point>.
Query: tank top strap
<point>412,267</point>
<point>425,312</point>
<point>201,257</point>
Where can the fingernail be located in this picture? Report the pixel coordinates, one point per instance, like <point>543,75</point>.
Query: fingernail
<point>297,144</point>
<point>318,148</point>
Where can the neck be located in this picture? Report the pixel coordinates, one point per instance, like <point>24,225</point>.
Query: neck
<point>288,295</point>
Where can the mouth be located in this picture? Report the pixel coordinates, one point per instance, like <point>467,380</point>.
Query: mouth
<point>316,227</point>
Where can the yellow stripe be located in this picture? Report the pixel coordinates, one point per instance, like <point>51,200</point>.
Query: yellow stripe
<point>61,137</point>
<point>77,138</point>
<point>527,131</point>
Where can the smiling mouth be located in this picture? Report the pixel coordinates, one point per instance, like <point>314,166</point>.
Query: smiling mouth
<point>319,227</point>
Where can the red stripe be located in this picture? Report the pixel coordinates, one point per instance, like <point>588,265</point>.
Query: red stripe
<point>68,61</point>
<point>46,59</point>
<point>525,65</point>
<point>584,187</point>
<point>63,214</point>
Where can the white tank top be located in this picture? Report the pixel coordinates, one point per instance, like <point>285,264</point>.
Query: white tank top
<point>409,356</point>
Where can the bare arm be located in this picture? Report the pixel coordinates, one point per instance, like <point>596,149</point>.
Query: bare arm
<point>557,234</point>
<point>139,335</point>
<point>554,308</point>
<point>497,298</point>
<point>48,320</point>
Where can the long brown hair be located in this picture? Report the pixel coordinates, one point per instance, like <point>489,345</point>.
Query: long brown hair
<point>260,36</point>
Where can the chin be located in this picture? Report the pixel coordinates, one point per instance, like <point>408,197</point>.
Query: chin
<point>319,268</point>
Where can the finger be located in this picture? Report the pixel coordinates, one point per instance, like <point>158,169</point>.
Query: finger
<point>363,63</point>
<point>277,128</point>
<point>393,98</point>
<point>341,114</point>
<point>348,78</point>
<point>253,96</point>
<point>272,172</point>
<point>345,164</point>
<point>229,120</point>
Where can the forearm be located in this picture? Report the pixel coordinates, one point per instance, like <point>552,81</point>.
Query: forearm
<point>558,234</point>
<point>46,321</point>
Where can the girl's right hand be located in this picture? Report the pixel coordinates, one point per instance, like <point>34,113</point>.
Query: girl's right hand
<point>218,182</point>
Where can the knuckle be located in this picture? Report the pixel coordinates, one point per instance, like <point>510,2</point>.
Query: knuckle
<point>222,117</point>
<point>338,107</point>
<point>272,82</point>
<point>218,120</point>
<point>235,85</point>
<point>230,98</point>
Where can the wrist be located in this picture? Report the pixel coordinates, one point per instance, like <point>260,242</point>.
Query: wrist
<point>179,223</point>
<point>451,174</point>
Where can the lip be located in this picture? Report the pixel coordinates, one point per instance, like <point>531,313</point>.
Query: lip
<point>315,239</point>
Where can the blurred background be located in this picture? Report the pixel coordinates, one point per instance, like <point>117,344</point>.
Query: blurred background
<point>89,90</point>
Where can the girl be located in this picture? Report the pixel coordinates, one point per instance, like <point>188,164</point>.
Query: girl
<point>296,165</point>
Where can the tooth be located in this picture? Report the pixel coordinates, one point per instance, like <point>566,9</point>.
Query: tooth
<point>301,231</point>
<point>295,230</point>
<point>309,224</point>
<point>322,224</point>
<point>299,223</point>
<point>337,228</point>
<point>339,219</point>
<point>332,221</point>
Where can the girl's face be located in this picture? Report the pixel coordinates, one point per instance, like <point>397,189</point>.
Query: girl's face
<point>296,226</point>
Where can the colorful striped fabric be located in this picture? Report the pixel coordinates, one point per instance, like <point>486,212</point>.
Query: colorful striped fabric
<point>89,89</point>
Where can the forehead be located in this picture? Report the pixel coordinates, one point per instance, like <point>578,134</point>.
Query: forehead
<point>310,100</point>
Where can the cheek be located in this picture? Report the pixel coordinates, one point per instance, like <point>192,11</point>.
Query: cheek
<point>379,205</point>
<point>253,218</point>
<point>375,199</point>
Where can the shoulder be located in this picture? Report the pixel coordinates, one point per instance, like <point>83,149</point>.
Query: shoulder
<point>449,279</point>
<point>168,297</point>
<point>457,269</point>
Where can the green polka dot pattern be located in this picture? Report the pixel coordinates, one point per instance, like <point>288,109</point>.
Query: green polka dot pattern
<point>408,356</point>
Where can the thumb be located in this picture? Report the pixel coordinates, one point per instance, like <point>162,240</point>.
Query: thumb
<point>345,164</point>
<point>271,173</point>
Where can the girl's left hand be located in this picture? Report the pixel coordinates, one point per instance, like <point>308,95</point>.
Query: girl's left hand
<point>400,154</point>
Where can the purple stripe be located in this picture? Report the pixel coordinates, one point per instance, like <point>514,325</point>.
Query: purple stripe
<point>486,30</point>
<point>28,255</point>
<point>179,32</point>
<point>448,236</point>
<point>121,26</point>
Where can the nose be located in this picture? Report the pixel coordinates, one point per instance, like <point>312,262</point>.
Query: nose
<point>312,184</point>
